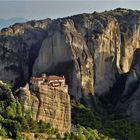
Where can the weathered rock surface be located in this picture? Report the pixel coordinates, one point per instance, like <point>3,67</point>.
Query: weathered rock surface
<point>5,92</point>
<point>112,38</point>
<point>103,40</point>
<point>65,52</point>
<point>48,104</point>
<point>90,50</point>
<point>19,46</point>
<point>129,103</point>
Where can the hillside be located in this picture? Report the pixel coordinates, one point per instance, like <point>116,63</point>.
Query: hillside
<point>97,53</point>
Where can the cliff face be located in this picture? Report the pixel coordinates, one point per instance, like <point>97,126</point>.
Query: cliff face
<point>93,51</point>
<point>129,103</point>
<point>103,39</point>
<point>65,52</point>
<point>48,104</point>
<point>112,38</point>
<point>6,92</point>
<point>19,46</point>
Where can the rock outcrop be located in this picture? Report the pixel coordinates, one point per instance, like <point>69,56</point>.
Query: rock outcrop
<point>65,52</point>
<point>19,47</point>
<point>112,38</point>
<point>103,39</point>
<point>90,50</point>
<point>129,103</point>
<point>50,104</point>
<point>6,92</point>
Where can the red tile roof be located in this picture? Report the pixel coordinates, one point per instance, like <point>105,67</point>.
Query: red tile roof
<point>38,78</point>
<point>52,77</point>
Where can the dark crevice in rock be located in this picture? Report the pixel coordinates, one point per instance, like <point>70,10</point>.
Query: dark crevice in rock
<point>110,99</point>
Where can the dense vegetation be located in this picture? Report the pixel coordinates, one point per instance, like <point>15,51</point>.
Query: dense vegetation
<point>86,124</point>
<point>13,122</point>
<point>121,129</point>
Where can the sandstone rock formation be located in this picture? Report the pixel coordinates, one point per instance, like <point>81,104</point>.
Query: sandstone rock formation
<point>19,46</point>
<point>112,38</point>
<point>49,104</point>
<point>6,91</point>
<point>103,40</point>
<point>65,52</point>
<point>90,50</point>
<point>129,103</point>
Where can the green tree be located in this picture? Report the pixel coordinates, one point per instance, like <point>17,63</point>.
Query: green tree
<point>1,118</point>
<point>18,135</point>
<point>3,132</point>
<point>42,126</point>
<point>19,109</point>
<point>67,135</point>
<point>28,115</point>
<point>81,137</point>
<point>10,113</point>
<point>33,125</point>
<point>24,125</point>
<point>2,107</point>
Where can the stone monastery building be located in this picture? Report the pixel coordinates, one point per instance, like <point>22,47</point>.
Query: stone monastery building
<point>52,80</point>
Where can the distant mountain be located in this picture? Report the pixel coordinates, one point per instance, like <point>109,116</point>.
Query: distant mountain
<point>7,22</point>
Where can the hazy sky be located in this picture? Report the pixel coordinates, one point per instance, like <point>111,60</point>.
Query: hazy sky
<point>56,8</point>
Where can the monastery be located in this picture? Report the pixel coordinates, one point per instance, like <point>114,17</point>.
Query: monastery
<point>52,80</point>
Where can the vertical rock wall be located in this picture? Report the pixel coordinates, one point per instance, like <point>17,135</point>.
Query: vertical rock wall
<point>65,52</point>
<point>49,104</point>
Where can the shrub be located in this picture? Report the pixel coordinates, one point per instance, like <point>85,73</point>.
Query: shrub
<point>3,132</point>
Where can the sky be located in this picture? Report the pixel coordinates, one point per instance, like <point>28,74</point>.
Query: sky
<point>37,9</point>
